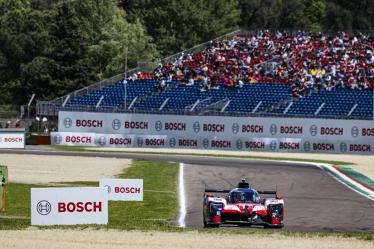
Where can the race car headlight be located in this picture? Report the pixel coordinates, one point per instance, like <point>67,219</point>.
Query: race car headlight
<point>216,206</point>
<point>276,208</point>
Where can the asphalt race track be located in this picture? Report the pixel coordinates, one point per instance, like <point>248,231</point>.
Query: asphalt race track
<point>314,201</point>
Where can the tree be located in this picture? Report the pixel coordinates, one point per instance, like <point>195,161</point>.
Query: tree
<point>177,25</point>
<point>293,16</point>
<point>54,47</point>
<point>315,11</point>
<point>282,14</point>
<point>337,18</point>
<point>350,15</point>
<point>23,36</point>
<point>260,14</point>
<point>111,39</point>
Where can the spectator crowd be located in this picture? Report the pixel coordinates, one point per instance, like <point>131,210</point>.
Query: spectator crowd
<point>305,60</point>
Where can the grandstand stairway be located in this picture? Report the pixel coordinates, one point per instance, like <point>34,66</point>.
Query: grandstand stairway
<point>285,104</point>
<point>242,100</point>
<point>117,94</point>
<point>339,102</point>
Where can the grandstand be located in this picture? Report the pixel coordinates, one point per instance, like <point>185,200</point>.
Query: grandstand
<point>245,74</point>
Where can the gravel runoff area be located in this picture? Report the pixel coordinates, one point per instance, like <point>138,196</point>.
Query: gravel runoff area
<point>52,169</point>
<point>362,163</point>
<point>92,239</point>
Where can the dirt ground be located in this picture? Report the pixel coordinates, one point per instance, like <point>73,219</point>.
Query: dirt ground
<point>62,239</point>
<point>47,169</point>
<point>362,163</point>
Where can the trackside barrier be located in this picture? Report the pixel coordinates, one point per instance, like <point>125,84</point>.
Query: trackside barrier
<point>214,132</point>
<point>212,143</point>
<point>13,138</point>
<point>3,183</point>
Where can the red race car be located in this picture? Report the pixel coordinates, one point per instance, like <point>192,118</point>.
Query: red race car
<point>242,206</point>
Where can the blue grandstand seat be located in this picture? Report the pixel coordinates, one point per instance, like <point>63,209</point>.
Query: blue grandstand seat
<point>241,99</point>
<point>338,102</point>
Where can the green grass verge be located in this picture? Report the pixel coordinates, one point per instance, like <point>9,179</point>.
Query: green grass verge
<point>160,204</point>
<point>156,212</point>
<point>17,206</point>
<point>87,149</point>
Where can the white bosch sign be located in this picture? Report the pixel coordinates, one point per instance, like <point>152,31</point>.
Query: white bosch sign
<point>123,189</point>
<point>196,141</point>
<point>12,140</point>
<point>69,206</point>
<point>235,127</point>
<point>212,132</point>
<point>76,139</point>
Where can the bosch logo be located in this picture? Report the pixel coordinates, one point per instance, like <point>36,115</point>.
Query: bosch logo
<point>307,146</point>
<point>116,124</point>
<point>343,147</point>
<point>109,189</point>
<point>196,127</point>
<point>139,141</point>
<point>273,129</point>
<point>273,145</point>
<point>354,131</point>
<point>313,130</point>
<point>172,142</point>
<point>239,144</point>
<point>101,141</point>
<point>79,207</point>
<point>235,128</point>
<point>56,139</point>
<point>205,143</point>
<point>43,207</point>
<point>68,122</point>
<point>158,126</point>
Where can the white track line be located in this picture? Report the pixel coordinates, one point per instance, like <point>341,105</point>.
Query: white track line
<point>329,166</point>
<point>182,197</point>
<point>370,194</point>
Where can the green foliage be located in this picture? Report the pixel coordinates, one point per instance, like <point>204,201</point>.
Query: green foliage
<point>315,15</point>
<point>180,24</point>
<point>315,10</point>
<point>347,15</point>
<point>54,47</point>
<point>282,14</point>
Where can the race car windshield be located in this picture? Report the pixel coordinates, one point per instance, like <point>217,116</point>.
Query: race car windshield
<point>250,196</point>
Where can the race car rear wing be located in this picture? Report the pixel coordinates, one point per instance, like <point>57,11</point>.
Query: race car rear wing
<point>216,191</point>
<point>242,184</point>
<point>227,191</point>
<point>267,192</point>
